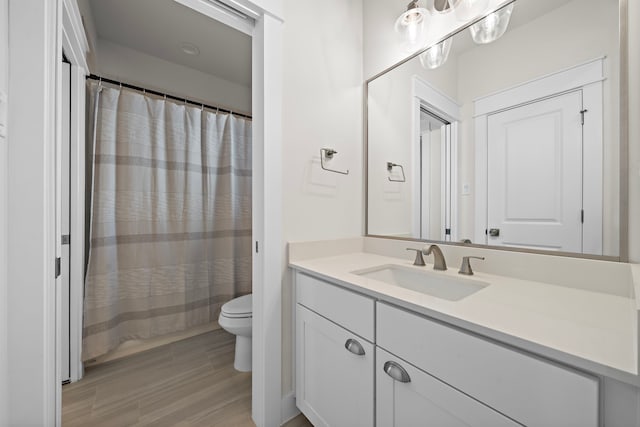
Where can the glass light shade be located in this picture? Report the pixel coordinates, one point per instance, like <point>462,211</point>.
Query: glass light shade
<point>492,27</point>
<point>436,55</point>
<point>466,10</point>
<point>412,26</point>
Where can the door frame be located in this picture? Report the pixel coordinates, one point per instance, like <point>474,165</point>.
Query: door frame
<point>35,55</point>
<point>424,94</point>
<point>75,47</point>
<point>589,77</point>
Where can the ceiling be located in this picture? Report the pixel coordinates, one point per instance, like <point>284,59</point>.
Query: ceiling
<point>160,27</point>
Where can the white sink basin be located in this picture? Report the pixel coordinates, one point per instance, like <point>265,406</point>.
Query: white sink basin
<point>427,282</point>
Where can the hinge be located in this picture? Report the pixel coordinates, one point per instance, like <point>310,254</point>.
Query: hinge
<point>447,232</point>
<point>582,216</point>
<point>58,267</point>
<point>256,246</point>
<point>582,115</point>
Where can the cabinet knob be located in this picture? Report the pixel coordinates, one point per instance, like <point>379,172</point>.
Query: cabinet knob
<point>354,347</point>
<point>396,372</point>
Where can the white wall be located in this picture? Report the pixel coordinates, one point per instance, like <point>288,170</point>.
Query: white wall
<point>4,58</point>
<point>634,131</point>
<point>131,66</point>
<point>322,107</point>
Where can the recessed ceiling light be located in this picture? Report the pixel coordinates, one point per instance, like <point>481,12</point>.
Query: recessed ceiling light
<point>190,49</point>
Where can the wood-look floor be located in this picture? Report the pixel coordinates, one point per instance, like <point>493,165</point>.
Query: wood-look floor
<point>188,383</point>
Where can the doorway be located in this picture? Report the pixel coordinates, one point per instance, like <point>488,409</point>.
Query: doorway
<point>435,122</point>
<point>435,174</point>
<point>35,384</point>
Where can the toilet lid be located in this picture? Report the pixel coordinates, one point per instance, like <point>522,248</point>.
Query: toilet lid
<point>238,307</point>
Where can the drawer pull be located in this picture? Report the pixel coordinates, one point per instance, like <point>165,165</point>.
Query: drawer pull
<point>396,372</point>
<point>354,347</point>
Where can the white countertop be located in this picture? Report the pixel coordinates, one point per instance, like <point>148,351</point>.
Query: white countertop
<point>589,330</point>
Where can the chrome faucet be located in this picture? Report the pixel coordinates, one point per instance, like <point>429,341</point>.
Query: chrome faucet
<point>438,258</point>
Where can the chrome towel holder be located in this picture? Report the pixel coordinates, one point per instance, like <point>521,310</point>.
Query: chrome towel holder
<point>390,167</point>
<point>327,153</point>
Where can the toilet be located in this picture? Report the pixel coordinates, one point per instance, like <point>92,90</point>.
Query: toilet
<point>235,317</point>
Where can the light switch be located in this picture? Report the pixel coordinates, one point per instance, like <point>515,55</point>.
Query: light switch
<point>3,114</point>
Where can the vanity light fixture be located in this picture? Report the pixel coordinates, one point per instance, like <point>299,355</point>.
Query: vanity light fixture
<point>411,24</point>
<point>492,27</point>
<point>436,55</point>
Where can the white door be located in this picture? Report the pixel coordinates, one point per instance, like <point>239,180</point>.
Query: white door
<point>65,223</point>
<point>334,384</point>
<point>434,195</point>
<point>409,397</point>
<point>535,175</point>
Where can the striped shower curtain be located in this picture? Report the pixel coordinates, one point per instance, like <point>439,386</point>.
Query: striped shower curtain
<point>170,216</point>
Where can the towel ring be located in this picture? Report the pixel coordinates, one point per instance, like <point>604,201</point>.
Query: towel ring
<point>390,167</point>
<point>327,153</point>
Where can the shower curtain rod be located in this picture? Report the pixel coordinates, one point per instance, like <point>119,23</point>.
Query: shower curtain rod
<point>165,95</point>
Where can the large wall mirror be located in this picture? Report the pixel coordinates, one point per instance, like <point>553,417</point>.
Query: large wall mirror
<point>514,143</point>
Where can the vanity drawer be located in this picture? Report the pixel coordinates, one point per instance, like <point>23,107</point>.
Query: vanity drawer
<point>525,388</point>
<point>352,311</point>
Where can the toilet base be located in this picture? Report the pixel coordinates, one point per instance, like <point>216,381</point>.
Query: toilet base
<point>242,360</point>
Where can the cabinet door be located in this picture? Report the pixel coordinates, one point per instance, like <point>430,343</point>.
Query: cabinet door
<point>334,373</point>
<point>409,397</point>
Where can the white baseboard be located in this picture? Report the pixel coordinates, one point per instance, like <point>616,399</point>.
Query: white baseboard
<point>289,410</point>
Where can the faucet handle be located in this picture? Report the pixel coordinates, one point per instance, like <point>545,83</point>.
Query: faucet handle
<point>419,259</point>
<point>465,268</point>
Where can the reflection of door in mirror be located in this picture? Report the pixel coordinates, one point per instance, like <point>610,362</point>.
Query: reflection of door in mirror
<point>435,143</point>
<point>535,175</point>
<point>540,163</point>
<point>436,117</point>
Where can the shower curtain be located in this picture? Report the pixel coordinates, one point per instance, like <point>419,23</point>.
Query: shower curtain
<point>170,220</point>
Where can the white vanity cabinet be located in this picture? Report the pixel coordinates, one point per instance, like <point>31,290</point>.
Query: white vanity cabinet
<point>407,396</point>
<point>423,371</point>
<point>529,390</point>
<point>334,364</point>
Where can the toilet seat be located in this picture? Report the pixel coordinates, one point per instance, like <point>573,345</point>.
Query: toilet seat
<point>240,307</point>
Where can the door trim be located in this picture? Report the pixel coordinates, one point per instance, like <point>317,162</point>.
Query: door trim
<point>589,77</point>
<point>75,47</point>
<point>444,106</point>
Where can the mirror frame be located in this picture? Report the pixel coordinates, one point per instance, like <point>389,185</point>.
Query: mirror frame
<point>623,250</point>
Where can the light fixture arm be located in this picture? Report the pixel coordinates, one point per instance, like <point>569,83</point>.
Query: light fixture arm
<point>413,5</point>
